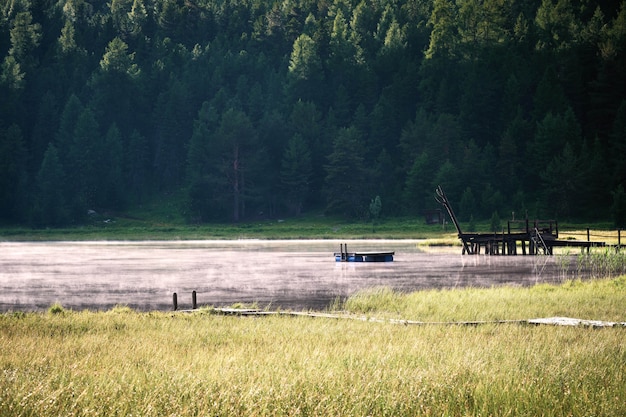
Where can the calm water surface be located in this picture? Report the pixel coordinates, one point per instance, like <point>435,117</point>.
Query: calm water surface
<point>287,274</point>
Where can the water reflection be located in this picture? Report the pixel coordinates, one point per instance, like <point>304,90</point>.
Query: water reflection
<point>286,274</point>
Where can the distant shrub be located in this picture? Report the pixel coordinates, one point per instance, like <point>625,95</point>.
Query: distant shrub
<point>496,224</point>
<point>121,309</point>
<point>56,308</point>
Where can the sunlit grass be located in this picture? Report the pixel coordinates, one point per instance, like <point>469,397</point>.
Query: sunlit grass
<point>590,299</point>
<point>610,237</point>
<point>313,227</point>
<point>126,363</point>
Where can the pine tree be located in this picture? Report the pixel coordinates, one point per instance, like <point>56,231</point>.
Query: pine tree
<point>172,131</point>
<point>64,138</point>
<point>443,37</point>
<point>137,167</point>
<point>45,124</point>
<point>12,172</point>
<point>240,160</point>
<point>305,70</point>
<point>295,173</point>
<point>50,206</point>
<point>113,194</point>
<point>85,169</point>
<point>25,38</point>
<point>617,146</point>
<point>417,184</point>
<point>201,164</point>
<point>562,179</point>
<point>619,206</point>
<point>346,180</point>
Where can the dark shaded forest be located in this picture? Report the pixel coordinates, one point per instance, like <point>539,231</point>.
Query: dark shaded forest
<point>246,108</point>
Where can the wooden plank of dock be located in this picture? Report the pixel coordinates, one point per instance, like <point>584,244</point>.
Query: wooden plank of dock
<point>554,321</point>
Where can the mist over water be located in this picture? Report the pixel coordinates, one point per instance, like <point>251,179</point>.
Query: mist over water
<point>287,274</point>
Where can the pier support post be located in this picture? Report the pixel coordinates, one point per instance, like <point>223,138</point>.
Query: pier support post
<point>175,301</point>
<point>194,304</point>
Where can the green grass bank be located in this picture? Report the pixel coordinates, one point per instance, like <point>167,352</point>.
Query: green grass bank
<point>315,227</point>
<point>122,363</point>
<point>311,227</point>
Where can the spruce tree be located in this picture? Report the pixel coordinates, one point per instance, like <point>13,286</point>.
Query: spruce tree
<point>295,173</point>
<point>50,207</point>
<point>347,181</point>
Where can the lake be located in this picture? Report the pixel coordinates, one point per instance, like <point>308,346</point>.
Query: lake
<point>287,274</point>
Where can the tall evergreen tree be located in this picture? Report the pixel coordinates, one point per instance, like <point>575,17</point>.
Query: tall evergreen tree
<point>386,181</point>
<point>443,37</point>
<point>172,130</point>
<point>50,206</point>
<point>64,138</point>
<point>295,173</point>
<point>240,158</point>
<point>347,179</point>
<point>618,208</point>
<point>510,164</point>
<point>85,169</point>
<point>305,70</point>
<point>45,125</point>
<point>306,120</point>
<point>137,167</point>
<point>201,164</point>
<point>114,92</point>
<point>113,193</point>
<point>25,38</point>
<point>418,187</point>
<point>617,147</point>
<point>551,136</point>
<point>549,96</point>
<point>13,171</point>
<point>562,180</point>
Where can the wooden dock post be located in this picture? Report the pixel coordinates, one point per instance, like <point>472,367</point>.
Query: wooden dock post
<point>343,252</point>
<point>175,301</point>
<point>443,200</point>
<point>194,304</point>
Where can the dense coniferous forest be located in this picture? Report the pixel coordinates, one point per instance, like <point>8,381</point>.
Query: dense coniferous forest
<point>245,108</point>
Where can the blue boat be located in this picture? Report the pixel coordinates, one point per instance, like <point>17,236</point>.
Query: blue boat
<point>345,256</point>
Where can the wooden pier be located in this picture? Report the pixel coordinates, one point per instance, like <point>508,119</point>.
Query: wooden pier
<point>534,238</point>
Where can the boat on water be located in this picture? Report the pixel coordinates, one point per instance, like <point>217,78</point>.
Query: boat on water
<point>345,256</point>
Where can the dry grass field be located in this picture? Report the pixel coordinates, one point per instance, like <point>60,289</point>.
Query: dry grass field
<point>123,363</point>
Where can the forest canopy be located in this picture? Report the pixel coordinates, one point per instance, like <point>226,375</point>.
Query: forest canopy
<point>250,108</point>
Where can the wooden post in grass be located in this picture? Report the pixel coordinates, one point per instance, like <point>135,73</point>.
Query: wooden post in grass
<point>194,304</point>
<point>175,301</point>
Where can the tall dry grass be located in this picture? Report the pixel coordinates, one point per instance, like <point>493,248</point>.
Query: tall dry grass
<point>175,364</point>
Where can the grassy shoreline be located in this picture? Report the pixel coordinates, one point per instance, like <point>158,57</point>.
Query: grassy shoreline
<point>122,362</point>
<point>310,228</point>
<point>313,227</point>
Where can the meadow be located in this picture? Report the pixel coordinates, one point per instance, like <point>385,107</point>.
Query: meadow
<point>122,362</point>
<point>313,227</point>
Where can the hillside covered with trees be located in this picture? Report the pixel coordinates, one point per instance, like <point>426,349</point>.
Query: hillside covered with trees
<point>276,108</point>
